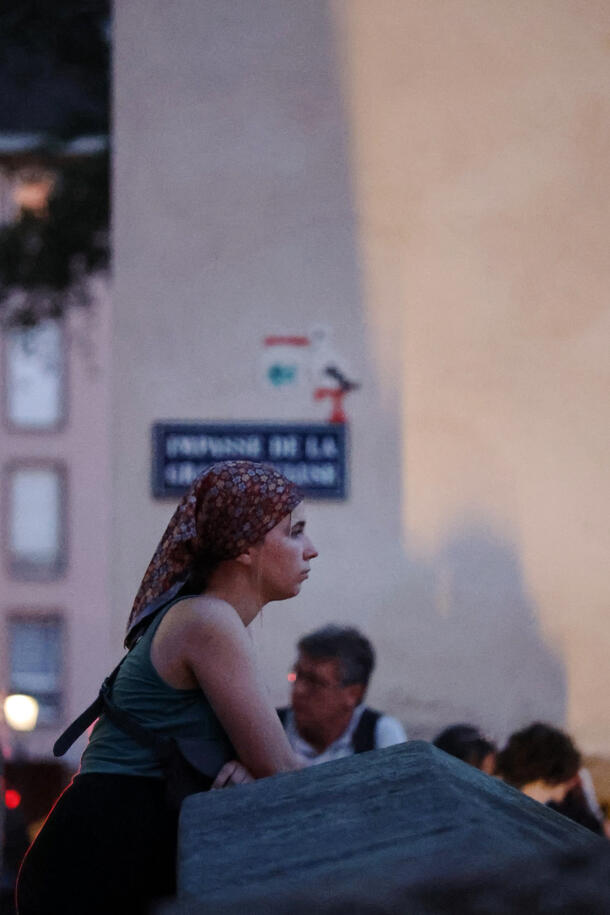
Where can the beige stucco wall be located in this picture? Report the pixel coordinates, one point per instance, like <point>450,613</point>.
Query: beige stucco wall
<point>426,179</point>
<point>480,136</point>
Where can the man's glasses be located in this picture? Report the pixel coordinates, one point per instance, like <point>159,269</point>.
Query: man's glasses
<point>310,680</point>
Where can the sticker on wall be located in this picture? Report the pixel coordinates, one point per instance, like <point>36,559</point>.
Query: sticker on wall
<point>308,361</point>
<point>285,362</point>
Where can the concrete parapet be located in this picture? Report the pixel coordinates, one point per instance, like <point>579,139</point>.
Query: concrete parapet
<point>407,828</point>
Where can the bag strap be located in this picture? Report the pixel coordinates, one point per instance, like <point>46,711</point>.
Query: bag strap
<point>103,703</point>
<point>86,718</point>
<point>163,747</point>
<point>363,738</point>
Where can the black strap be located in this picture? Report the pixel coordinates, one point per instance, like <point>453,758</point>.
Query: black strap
<point>78,727</point>
<point>103,703</point>
<point>363,738</point>
<point>162,746</point>
<point>86,718</point>
<point>151,611</point>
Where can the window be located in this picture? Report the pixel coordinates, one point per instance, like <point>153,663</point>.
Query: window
<point>35,662</point>
<point>34,376</point>
<point>36,536</point>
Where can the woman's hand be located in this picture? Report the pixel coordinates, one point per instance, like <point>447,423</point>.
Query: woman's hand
<point>232,773</point>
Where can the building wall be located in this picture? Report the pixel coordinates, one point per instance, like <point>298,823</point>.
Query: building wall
<point>79,596</point>
<point>427,181</point>
<point>479,150</point>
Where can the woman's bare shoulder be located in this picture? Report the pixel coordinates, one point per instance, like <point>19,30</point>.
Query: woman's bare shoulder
<point>206,614</point>
<point>210,628</point>
<point>194,629</point>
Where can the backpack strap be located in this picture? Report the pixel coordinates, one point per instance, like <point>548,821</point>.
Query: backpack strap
<point>103,703</point>
<point>363,738</point>
<point>86,718</point>
<point>163,747</point>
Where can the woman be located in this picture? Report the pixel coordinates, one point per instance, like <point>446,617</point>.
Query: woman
<point>235,542</point>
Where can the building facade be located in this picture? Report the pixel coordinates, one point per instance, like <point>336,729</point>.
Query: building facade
<point>426,182</point>
<point>413,195</point>
<point>54,462</point>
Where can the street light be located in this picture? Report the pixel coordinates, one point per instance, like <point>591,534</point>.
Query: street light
<point>21,712</point>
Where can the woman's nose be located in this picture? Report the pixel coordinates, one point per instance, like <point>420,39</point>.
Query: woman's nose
<point>310,551</point>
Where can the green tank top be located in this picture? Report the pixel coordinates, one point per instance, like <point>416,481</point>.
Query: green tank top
<point>139,690</point>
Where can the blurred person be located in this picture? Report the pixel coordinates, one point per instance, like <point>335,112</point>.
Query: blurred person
<point>545,764</point>
<point>466,742</point>
<point>541,761</point>
<point>327,718</point>
<point>236,541</point>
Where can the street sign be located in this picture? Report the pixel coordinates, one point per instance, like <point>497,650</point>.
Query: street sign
<point>314,456</point>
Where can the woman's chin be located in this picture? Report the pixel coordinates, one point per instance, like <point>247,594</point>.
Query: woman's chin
<point>285,595</point>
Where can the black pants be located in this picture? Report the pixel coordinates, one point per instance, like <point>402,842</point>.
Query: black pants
<point>108,846</point>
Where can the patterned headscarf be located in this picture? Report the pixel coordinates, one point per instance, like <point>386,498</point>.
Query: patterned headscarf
<point>230,507</point>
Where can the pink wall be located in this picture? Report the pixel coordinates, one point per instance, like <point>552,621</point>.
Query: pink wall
<point>82,446</point>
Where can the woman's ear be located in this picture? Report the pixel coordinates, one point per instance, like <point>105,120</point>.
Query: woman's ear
<point>247,558</point>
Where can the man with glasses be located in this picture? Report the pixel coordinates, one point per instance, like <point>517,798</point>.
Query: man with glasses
<point>327,718</point>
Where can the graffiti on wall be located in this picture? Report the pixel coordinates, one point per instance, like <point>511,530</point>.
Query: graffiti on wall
<point>308,362</point>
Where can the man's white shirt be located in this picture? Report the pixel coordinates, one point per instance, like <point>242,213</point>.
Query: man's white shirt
<point>388,731</point>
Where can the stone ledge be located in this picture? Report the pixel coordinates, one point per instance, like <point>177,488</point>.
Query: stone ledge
<point>398,825</point>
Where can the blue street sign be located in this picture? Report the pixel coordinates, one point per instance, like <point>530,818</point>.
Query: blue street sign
<point>314,456</point>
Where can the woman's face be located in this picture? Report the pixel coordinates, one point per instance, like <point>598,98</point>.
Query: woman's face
<point>284,556</point>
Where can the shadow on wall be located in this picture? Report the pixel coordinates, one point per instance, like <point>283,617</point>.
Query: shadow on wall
<point>470,644</point>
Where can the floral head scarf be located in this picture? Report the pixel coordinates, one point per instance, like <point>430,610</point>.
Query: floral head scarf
<point>230,507</point>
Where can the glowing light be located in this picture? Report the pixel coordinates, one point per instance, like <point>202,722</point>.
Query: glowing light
<point>21,712</point>
<point>32,192</point>
<point>12,798</point>
<point>291,677</point>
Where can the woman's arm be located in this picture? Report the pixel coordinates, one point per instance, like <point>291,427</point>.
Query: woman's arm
<point>219,652</point>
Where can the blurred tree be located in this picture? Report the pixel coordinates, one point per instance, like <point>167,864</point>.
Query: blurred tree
<point>54,79</point>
